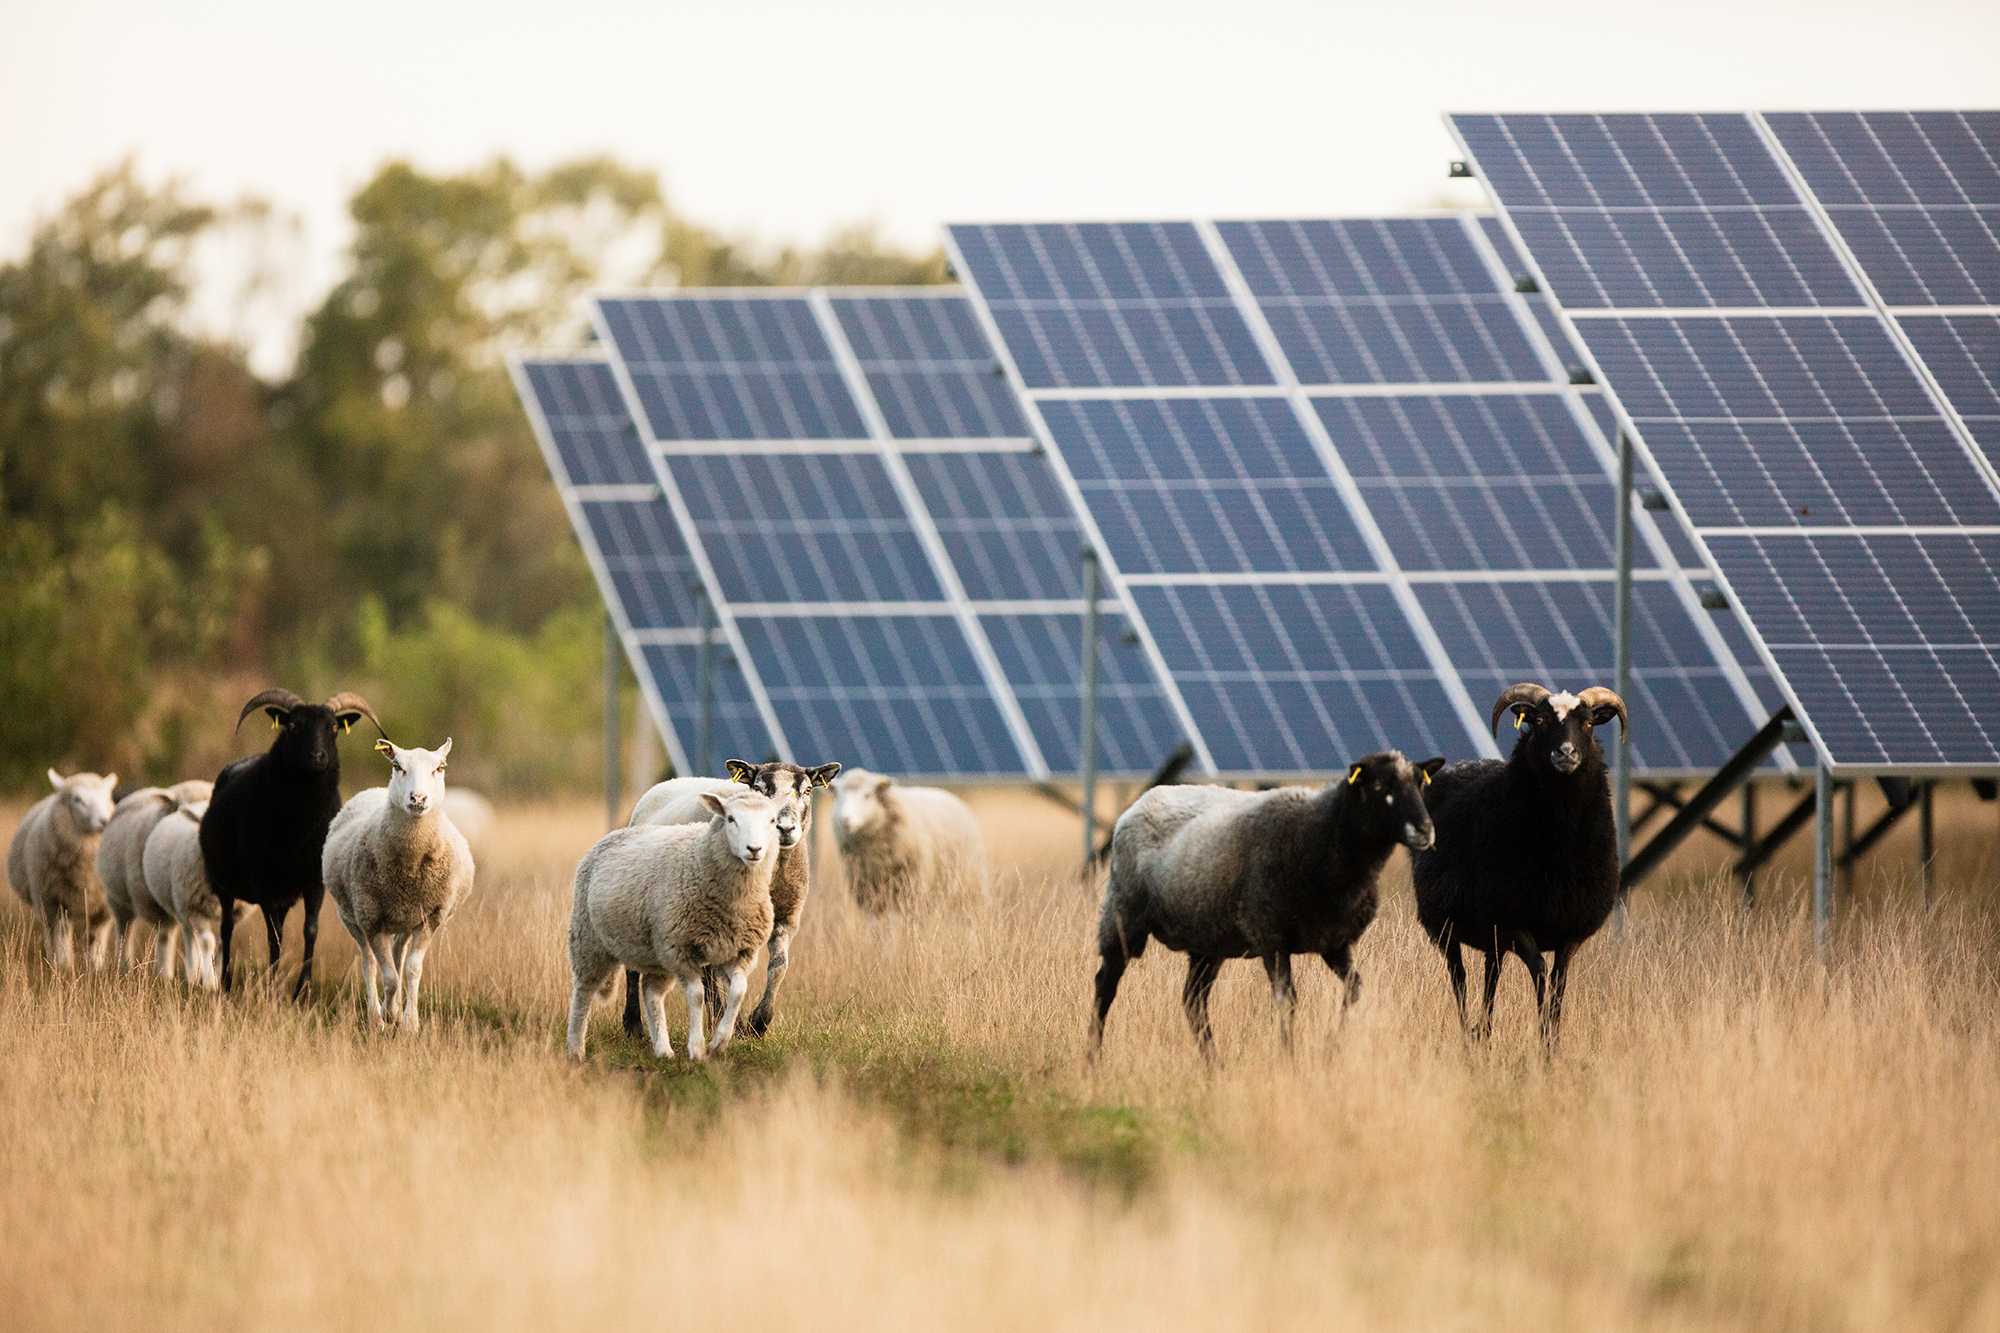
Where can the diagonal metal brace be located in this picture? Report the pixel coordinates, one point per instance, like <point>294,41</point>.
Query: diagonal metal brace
<point>1741,766</point>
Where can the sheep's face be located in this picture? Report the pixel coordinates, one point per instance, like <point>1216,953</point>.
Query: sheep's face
<point>750,822</point>
<point>790,787</point>
<point>416,780</point>
<point>87,798</point>
<point>1386,792</point>
<point>307,736</point>
<point>857,799</point>
<point>1558,733</point>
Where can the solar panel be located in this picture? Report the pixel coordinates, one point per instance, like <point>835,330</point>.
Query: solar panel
<point>634,546</point>
<point>888,551</point>
<point>1814,397</point>
<point>1343,544</point>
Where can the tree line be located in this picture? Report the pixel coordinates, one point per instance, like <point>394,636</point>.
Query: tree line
<point>177,532</point>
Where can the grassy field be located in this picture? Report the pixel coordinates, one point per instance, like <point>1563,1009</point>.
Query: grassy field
<point>1733,1134</point>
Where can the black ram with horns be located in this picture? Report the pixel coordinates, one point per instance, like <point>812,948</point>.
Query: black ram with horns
<point>267,822</point>
<point>1526,857</point>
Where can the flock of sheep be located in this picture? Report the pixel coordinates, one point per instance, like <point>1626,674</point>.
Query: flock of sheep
<point>1516,856</point>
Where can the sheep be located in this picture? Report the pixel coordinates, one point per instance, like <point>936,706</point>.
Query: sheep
<point>1217,873</point>
<point>268,818</point>
<point>121,869</point>
<point>175,875</point>
<point>1527,852</point>
<point>677,801</point>
<point>472,815</point>
<point>895,840</point>
<point>397,868</point>
<point>675,900</point>
<point>52,864</point>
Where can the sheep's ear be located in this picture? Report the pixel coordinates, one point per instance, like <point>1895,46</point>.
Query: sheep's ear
<point>1354,775</point>
<point>55,779</point>
<point>444,751</point>
<point>824,775</point>
<point>1521,710</point>
<point>1430,767</point>
<point>1602,714</point>
<point>384,747</point>
<point>110,781</point>
<point>278,715</point>
<point>883,784</point>
<point>712,801</point>
<point>739,771</point>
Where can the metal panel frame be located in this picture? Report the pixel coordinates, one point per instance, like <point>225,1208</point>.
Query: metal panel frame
<point>1879,311</point>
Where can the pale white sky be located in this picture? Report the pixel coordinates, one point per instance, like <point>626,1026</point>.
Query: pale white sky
<point>786,119</point>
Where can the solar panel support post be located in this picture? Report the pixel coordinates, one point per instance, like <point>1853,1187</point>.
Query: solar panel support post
<point>1088,735</point>
<point>1747,873</point>
<point>704,751</point>
<point>1823,861</point>
<point>1924,848</point>
<point>1621,797</point>
<point>613,797</point>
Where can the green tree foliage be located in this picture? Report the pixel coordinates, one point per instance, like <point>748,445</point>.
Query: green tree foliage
<point>380,520</point>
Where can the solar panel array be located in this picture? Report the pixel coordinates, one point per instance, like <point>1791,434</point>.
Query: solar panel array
<point>1341,478</point>
<point>1797,316</point>
<point>887,552</point>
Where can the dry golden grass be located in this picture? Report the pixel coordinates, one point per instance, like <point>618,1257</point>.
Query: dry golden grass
<point>1732,1136</point>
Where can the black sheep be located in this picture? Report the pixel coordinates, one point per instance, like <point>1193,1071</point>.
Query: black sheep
<point>1526,858</point>
<point>267,821</point>
<point>1217,874</point>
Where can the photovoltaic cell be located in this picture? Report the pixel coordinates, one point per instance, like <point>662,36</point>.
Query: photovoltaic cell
<point>929,367</point>
<point>1010,533</point>
<point>1823,478</point>
<point>644,568</point>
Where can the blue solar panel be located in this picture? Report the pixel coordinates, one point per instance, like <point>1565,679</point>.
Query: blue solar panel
<point>1381,301</point>
<point>644,567</point>
<point>1216,508</point>
<point>861,579</point>
<point>1916,196</point>
<point>744,369</point>
<point>1648,211</point>
<point>1098,304</point>
<point>1807,451</point>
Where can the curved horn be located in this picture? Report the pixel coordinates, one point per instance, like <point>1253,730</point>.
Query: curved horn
<point>283,698</point>
<point>1516,694</point>
<point>1597,696</point>
<point>345,702</point>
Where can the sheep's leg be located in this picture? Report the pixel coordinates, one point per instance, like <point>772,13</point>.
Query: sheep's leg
<point>383,945</point>
<point>697,1004</point>
<point>121,950</point>
<point>414,945</point>
<point>98,927</point>
<point>309,929</point>
<point>58,937</point>
<point>1526,950</point>
<point>653,1016</point>
<point>774,973</point>
<point>635,1022</point>
<point>365,955</point>
<point>583,990</point>
<point>1454,965</point>
<point>1278,967</point>
<point>712,990</point>
<point>1116,950</point>
<point>1201,976</point>
<point>739,986</point>
<point>201,957</point>
<point>163,950</point>
<point>228,933</point>
<point>1558,983</point>
<point>1482,1026</point>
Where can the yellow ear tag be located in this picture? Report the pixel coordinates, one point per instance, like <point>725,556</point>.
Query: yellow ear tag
<point>1354,775</point>
<point>1517,721</point>
<point>347,726</point>
<point>1427,777</point>
<point>274,721</point>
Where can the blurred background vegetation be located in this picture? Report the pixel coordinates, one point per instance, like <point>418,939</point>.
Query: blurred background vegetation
<point>177,533</point>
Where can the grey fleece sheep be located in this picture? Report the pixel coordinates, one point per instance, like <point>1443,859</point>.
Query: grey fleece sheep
<point>52,864</point>
<point>675,901</point>
<point>121,868</point>
<point>397,868</point>
<point>678,801</point>
<point>1216,874</point>
<point>898,844</point>
<point>175,873</point>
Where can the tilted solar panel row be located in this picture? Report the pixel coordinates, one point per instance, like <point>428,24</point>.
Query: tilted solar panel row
<point>1343,481</point>
<point>1796,315</point>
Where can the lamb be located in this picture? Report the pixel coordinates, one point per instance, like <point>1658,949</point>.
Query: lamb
<point>268,818</point>
<point>677,801</point>
<point>175,874</point>
<point>1217,874</point>
<point>397,869</point>
<point>121,867</point>
<point>1527,852</point>
<point>897,841</point>
<point>675,900</point>
<point>52,865</point>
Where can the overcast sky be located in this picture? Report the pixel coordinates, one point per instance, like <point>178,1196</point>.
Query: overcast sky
<point>787,119</point>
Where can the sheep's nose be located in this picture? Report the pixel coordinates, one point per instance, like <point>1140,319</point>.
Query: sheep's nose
<point>1565,758</point>
<point>753,854</point>
<point>1419,839</point>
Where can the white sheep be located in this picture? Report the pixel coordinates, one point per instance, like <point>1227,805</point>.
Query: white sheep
<point>121,854</point>
<point>52,864</point>
<point>472,815</point>
<point>397,869</point>
<point>175,874</point>
<point>673,901</point>
<point>899,842</point>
